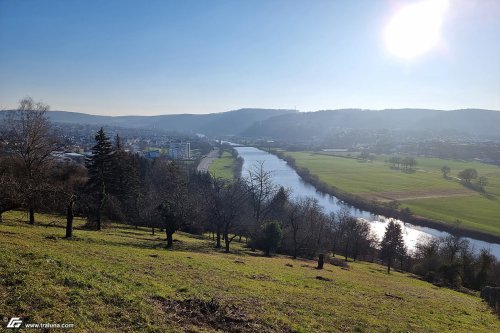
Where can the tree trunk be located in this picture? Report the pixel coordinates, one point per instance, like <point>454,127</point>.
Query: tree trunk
<point>321,261</point>
<point>32,215</point>
<point>295,243</point>
<point>153,231</point>
<point>98,220</point>
<point>389,266</point>
<point>69,219</point>
<point>217,245</point>
<point>170,239</point>
<point>227,242</point>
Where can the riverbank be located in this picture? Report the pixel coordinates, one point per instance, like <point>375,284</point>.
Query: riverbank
<point>387,209</point>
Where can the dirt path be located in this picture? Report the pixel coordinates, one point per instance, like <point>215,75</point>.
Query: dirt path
<point>418,194</point>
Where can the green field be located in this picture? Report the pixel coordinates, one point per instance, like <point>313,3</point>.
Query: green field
<point>424,191</point>
<point>123,279</point>
<point>223,167</point>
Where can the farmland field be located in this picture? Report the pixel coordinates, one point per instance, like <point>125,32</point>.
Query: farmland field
<point>425,191</point>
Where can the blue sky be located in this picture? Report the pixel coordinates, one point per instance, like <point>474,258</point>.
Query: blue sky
<point>161,57</point>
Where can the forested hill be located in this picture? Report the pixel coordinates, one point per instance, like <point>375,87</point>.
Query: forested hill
<point>293,125</point>
<point>475,122</point>
<point>224,123</point>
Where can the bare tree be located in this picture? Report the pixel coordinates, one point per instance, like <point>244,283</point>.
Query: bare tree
<point>294,228</point>
<point>261,190</point>
<point>468,174</point>
<point>66,185</point>
<point>452,245</point>
<point>482,182</point>
<point>234,214</point>
<point>176,208</point>
<point>445,170</point>
<point>31,140</point>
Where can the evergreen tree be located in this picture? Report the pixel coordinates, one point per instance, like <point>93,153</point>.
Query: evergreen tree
<point>269,237</point>
<point>392,244</point>
<point>127,184</point>
<point>101,174</point>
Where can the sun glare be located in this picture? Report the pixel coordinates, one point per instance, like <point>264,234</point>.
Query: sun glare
<point>415,29</point>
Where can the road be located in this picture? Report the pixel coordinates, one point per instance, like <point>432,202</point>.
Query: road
<point>207,160</point>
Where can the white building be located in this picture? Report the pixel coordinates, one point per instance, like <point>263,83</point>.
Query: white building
<point>179,150</point>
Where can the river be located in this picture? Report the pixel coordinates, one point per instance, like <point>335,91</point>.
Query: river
<point>284,175</point>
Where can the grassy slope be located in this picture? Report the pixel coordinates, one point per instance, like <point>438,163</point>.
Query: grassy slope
<point>107,282</point>
<point>476,211</point>
<point>222,167</point>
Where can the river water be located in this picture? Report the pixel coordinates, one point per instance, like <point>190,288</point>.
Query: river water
<point>284,175</point>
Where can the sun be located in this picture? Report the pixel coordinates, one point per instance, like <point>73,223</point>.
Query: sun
<point>415,29</point>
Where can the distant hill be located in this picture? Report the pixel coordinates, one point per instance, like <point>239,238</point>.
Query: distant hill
<point>475,122</point>
<point>290,124</point>
<point>224,123</point>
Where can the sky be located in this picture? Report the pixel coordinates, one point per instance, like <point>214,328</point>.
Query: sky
<point>195,56</point>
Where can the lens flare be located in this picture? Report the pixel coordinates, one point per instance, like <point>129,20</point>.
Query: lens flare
<point>416,28</point>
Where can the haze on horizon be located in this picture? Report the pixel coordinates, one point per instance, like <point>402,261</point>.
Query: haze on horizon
<point>165,57</point>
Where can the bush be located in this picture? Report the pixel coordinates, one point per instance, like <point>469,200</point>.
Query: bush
<point>269,237</point>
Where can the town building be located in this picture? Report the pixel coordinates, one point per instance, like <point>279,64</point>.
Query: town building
<point>179,150</point>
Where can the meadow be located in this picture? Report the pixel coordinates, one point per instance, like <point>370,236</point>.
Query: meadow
<point>425,191</point>
<point>122,279</point>
<point>222,167</point>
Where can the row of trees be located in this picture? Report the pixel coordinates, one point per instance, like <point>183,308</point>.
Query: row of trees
<point>467,175</point>
<point>407,163</point>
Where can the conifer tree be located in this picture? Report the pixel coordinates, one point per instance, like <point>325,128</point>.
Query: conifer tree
<point>393,244</point>
<point>101,174</point>
<point>128,185</point>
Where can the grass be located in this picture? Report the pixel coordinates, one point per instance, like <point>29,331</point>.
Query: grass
<point>116,280</point>
<point>223,167</point>
<point>426,192</point>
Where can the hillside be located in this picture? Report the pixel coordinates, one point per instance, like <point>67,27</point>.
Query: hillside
<point>305,125</point>
<point>224,123</point>
<point>122,279</point>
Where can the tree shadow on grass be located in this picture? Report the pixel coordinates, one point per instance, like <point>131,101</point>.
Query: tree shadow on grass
<point>157,243</point>
<point>478,189</point>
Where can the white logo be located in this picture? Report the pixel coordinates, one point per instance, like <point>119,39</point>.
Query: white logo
<point>14,322</point>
